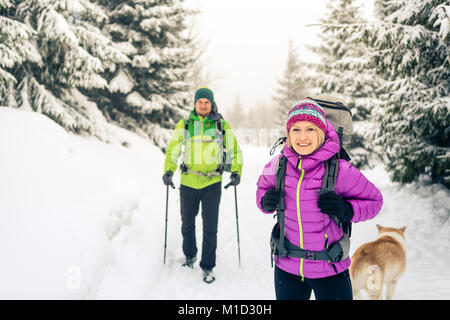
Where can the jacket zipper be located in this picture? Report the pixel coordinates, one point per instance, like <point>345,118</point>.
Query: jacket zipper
<point>302,173</point>
<point>326,243</point>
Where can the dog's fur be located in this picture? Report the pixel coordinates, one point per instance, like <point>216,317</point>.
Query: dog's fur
<point>379,262</point>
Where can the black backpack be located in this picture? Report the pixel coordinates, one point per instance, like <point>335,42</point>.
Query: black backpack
<point>340,117</point>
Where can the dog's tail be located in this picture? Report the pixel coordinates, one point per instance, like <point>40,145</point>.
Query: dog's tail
<point>367,277</point>
<point>374,279</point>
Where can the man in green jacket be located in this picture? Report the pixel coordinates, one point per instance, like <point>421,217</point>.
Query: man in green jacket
<point>205,136</point>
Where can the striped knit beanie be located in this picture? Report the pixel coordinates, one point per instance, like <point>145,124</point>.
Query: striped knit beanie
<point>307,110</point>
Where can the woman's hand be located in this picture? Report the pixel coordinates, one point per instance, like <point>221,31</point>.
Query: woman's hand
<point>331,204</point>
<point>270,200</point>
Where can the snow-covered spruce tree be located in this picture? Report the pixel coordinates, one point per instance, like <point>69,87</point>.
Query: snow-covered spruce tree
<point>290,88</point>
<point>341,75</point>
<point>408,49</point>
<point>16,49</point>
<point>150,93</point>
<point>69,53</point>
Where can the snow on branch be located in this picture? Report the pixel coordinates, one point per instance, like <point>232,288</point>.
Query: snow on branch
<point>15,46</point>
<point>5,4</point>
<point>442,16</point>
<point>121,83</point>
<point>55,25</point>
<point>6,77</point>
<point>100,46</point>
<point>78,8</point>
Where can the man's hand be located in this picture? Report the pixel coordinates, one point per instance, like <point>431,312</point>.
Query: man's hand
<point>235,179</point>
<point>167,179</point>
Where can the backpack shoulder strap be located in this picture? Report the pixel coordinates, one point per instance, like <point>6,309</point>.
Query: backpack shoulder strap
<point>330,174</point>
<point>281,174</point>
<point>219,125</point>
<point>279,185</point>
<point>329,184</point>
<point>187,121</point>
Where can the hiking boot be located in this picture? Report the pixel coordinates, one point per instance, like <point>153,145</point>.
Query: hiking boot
<point>208,275</point>
<point>189,262</point>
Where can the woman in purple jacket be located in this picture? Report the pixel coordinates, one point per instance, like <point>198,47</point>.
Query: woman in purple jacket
<point>309,218</point>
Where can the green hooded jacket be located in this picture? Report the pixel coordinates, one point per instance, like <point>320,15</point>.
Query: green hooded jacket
<point>202,154</point>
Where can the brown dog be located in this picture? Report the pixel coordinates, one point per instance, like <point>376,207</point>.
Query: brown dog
<point>379,262</point>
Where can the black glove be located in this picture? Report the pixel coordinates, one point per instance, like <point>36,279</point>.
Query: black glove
<point>167,178</point>
<point>235,179</point>
<point>333,205</point>
<point>270,200</point>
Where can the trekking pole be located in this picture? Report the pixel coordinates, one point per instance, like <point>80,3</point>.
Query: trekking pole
<point>165,232</point>
<point>237,222</point>
<point>237,226</point>
<point>167,210</point>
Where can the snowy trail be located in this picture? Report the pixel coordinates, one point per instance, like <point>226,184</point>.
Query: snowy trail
<point>171,281</point>
<point>85,220</point>
<point>426,277</point>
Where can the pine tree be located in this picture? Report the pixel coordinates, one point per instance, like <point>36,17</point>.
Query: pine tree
<point>291,88</point>
<point>407,48</point>
<point>15,49</point>
<point>84,63</point>
<point>264,115</point>
<point>234,113</point>
<point>64,53</point>
<point>151,93</point>
<point>341,75</point>
<point>252,118</point>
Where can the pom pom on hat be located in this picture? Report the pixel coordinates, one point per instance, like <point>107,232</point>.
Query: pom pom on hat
<point>307,110</point>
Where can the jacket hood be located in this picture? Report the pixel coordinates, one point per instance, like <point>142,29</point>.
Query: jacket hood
<point>329,148</point>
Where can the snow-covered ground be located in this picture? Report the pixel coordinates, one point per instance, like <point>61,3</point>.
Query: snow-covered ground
<point>81,219</point>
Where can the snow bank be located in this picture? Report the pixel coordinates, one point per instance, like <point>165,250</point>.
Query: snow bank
<point>63,202</point>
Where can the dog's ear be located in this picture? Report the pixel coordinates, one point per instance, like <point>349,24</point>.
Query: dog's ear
<point>379,227</point>
<point>402,229</point>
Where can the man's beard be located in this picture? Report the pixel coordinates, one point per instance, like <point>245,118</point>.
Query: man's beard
<point>204,114</point>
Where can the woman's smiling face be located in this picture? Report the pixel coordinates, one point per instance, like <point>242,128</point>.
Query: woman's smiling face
<point>304,137</point>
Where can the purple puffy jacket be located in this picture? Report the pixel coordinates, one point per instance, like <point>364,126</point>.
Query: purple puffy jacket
<point>306,226</point>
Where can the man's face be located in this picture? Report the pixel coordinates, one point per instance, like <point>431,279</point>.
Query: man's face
<point>203,107</point>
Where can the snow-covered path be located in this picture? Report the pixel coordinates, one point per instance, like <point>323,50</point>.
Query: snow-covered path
<point>85,220</point>
<point>253,280</point>
<point>426,277</point>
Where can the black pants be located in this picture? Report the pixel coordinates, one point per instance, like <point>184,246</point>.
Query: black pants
<point>291,287</point>
<point>190,203</point>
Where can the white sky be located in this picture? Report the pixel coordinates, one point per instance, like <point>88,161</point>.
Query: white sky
<point>247,43</point>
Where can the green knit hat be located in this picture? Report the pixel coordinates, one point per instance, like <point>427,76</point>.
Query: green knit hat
<point>205,93</point>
